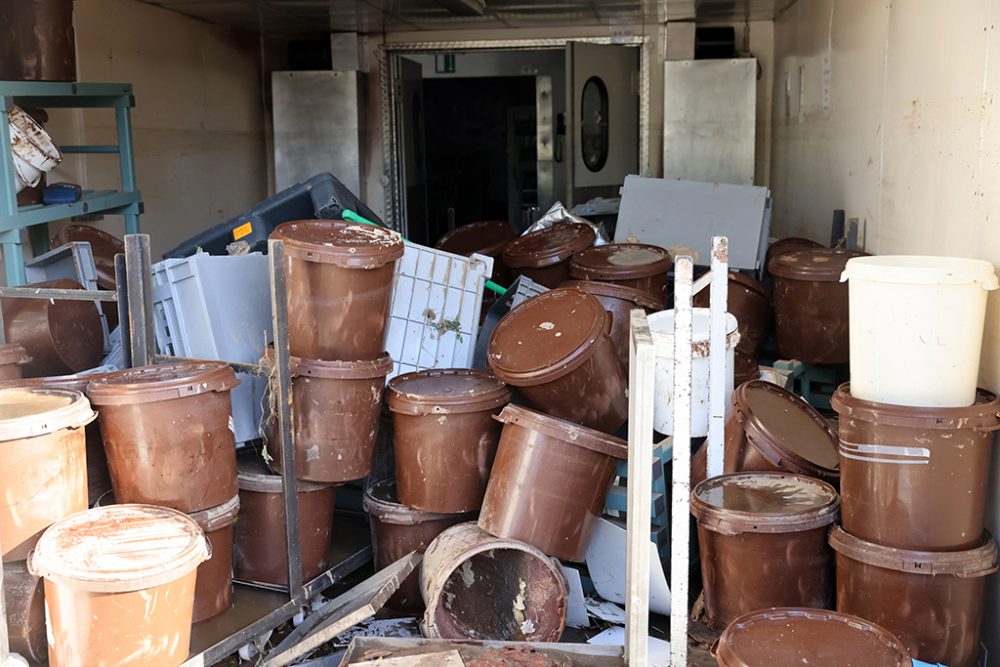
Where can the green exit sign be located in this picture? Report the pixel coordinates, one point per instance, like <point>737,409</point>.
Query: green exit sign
<point>444,63</point>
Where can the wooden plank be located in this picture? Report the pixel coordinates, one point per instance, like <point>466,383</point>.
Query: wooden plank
<point>640,488</point>
<point>718,297</point>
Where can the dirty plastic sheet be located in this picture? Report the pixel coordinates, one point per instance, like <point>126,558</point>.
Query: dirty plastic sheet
<point>605,611</point>
<point>659,650</point>
<point>576,605</point>
<point>389,627</point>
<point>558,215</point>
<point>606,562</point>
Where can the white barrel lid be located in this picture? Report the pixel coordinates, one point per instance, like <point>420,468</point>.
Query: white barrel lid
<point>27,413</point>
<point>921,270</point>
<point>119,548</point>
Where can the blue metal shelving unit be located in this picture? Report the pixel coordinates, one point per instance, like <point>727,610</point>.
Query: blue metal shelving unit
<point>126,202</point>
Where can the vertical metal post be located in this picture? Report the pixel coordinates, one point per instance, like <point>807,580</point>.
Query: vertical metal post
<point>680,499</point>
<point>13,261</point>
<point>126,162</point>
<point>289,485</point>
<point>124,329</point>
<point>640,489</point>
<point>718,297</point>
<point>140,299</point>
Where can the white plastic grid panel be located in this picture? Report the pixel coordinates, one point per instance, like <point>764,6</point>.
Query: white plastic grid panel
<point>434,316</point>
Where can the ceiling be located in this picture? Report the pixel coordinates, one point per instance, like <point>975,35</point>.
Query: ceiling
<point>303,17</point>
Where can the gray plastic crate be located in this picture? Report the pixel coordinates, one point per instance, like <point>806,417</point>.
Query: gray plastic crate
<point>73,261</point>
<point>217,307</point>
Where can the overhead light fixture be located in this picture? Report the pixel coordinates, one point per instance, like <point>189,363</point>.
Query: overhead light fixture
<point>464,7</point>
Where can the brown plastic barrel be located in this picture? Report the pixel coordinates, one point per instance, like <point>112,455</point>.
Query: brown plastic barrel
<point>933,601</point>
<point>544,255</point>
<point>549,482</point>
<point>12,357</point>
<point>119,585</point>
<point>745,367</point>
<point>814,637</point>
<point>167,433</point>
<point>37,41</point>
<point>98,479</point>
<point>750,301</point>
<point>478,586</point>
<point>637,265</point>
<point>445,436</point>
<point>810,305</point>
<point>339,283</point>
<point>335,411</point>
<point>43,449</point>
<point>619,302</point>
<point>772,429</point>
<point>398,530</point>
<point>556,348</point>
<point>486,237</point>
<point>60,336</point>
<point>259,553</point>
<point>24,596</point>
<point>916,478</point>
<point>762,541</point>
<point>789,244</point>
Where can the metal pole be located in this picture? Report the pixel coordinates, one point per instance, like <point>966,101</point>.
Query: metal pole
<point>680,499</point>
<point>124,330</point>
<point>7,659</point>
<point>718,296</point>
<point>289,485</point>
<point>140,298</point>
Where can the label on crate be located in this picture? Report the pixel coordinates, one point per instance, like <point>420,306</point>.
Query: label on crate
<point>243,230</point>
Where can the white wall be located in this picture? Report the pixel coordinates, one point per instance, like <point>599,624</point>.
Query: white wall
<point>198,120</point>
<point>906,139</point>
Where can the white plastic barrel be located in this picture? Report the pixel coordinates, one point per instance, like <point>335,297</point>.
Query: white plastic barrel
<point>661,327</point>
<point>917,328</point>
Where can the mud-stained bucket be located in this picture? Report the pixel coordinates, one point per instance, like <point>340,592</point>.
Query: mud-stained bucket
<point>119,585</point>
<point>544,255</point>
<point>44,449</point>
<point>339,284</point>
<point>814,637</point>
<point>762,540</point>
<point>167,431</point>
<point>931,600</point>
<point>478,586</point>
<point>787,245</point>
<point>485,237</point>
<point>750,303</point>
<point>445,436</point>
<point>398,530</point>
<point>634,265</point>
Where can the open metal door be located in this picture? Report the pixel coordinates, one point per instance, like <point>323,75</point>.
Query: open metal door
<point>410,127</point>
<point>602,99</point>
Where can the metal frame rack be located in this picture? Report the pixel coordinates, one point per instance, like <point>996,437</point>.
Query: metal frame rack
<point>217,638</point>
<point>126,202</point>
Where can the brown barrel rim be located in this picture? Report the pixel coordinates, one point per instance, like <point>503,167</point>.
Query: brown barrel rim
<point>727,655</point>
<point>342,370</point>
<point>814,265</point>
<point>13,354</point>
<point>492,237</point>
<point>768,443</point>
<point>491,394</point>
<point>74,413</point>
<point>592,263</point>
<point>566,431</point>
<point>554,368</point>
<point>256,479</point>
<point>161,382</point>
<point>639,297</point>
<point>978,561</point>
<point>75,381</point>
<point>983,415</point>
<point>381,503</point>
<point>734,522</point>
<point>220,516</point>
<point>521,253</point>
<point>304,239</point>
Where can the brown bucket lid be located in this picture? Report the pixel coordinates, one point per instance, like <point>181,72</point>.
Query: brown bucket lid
<point>13,354</point>
<point>342,370</point>
<point>27,413</point>
<point>217,517</point>
<point>161,382</point>
<point>570,432</point>
<point>549,246</point>
<point>445,391</point>
<point>976,562</point>
<point>817,264</point>
<point>347,244</point>
<point>120,548</point>
<point>785,428</point>
<point>621,261</point>
<point>983,415</point>
<point>789,244</point>
<point>546,337</point>
<point>639,297</point>
<point>813,637</point>
<point>76,381</point>
<point>764,502</point>
<point>253,475</point>
<point>381,502</point>
<point>487,237</point>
